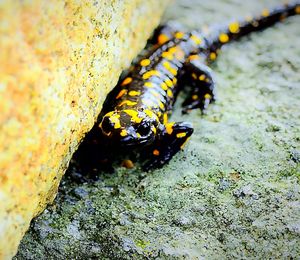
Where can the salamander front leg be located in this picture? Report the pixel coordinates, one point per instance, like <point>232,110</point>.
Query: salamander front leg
<point>201,79</point>
<point>93,153</point>
<point>170,141</point>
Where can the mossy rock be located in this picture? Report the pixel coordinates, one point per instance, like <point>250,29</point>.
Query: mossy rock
<point>232,193</point>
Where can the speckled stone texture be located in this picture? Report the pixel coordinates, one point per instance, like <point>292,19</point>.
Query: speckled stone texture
<point>58,60</point>
<point>232,193</point>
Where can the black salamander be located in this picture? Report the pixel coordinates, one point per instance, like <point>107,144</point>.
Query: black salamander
<point>135,113</point>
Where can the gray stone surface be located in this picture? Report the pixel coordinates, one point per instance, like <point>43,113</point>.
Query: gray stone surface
<point>232,193</point>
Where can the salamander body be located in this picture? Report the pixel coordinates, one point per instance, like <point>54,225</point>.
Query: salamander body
<point>135,113</point>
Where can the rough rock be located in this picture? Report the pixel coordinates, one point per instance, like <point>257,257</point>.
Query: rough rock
<point>58,60</point>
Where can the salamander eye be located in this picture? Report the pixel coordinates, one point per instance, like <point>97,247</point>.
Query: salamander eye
<point>106,125</point>
<point>144,129</point>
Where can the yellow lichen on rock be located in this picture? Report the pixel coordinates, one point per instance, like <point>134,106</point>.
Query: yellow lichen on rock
<point>58,60</point>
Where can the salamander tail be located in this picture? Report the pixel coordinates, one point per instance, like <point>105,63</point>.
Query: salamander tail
<point>238,28</point>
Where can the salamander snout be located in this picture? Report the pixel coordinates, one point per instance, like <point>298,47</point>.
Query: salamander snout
<point>130,127</point>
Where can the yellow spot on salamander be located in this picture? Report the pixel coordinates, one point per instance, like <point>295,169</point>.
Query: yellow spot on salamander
<point>234,27</point>
<point>128,164</point>
<point>121,93</point>
<point>162,38</point>
<point>115,116</point>
<point>195,97</point>
<point>179,35</point>
<point>149,113</point>
<point>297,9</point>
<point>126,81</point>
<point>148,84</point>
<point>173,71</point>
<point>155,152</point>
<point>174,81</point>
<point>223,38</point>
<point>169,128</point>
<point>213,56</point>
<point>265,13</point>
<point>194,76</point>
<point>167,65</point>
<point>150,73</point>
<point>167,55</point>
<point>164,86</point>
<point>202,77</point>
<point>172,50</point>
<point>161,105</point>
<point>110,113</point>
<point>134,115</point>
<point>169,82</point>
<point>145,62</point>
<point>180,135</point>
<point>194,57</point>
<point>123,133</point>
<point>196,39</point>
<point>128,103</point>
<point>116,121</point>
<point>134,93</point>
<point>165,118</point>
<point>207,96</point>
<point>131,112</point>
<point>153,129</point>
<point>169,93</point>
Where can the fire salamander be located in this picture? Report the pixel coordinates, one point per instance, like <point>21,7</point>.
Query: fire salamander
<point>135,113</point>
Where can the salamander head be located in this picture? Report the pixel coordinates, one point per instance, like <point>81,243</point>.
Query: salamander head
<point>130,127</point>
